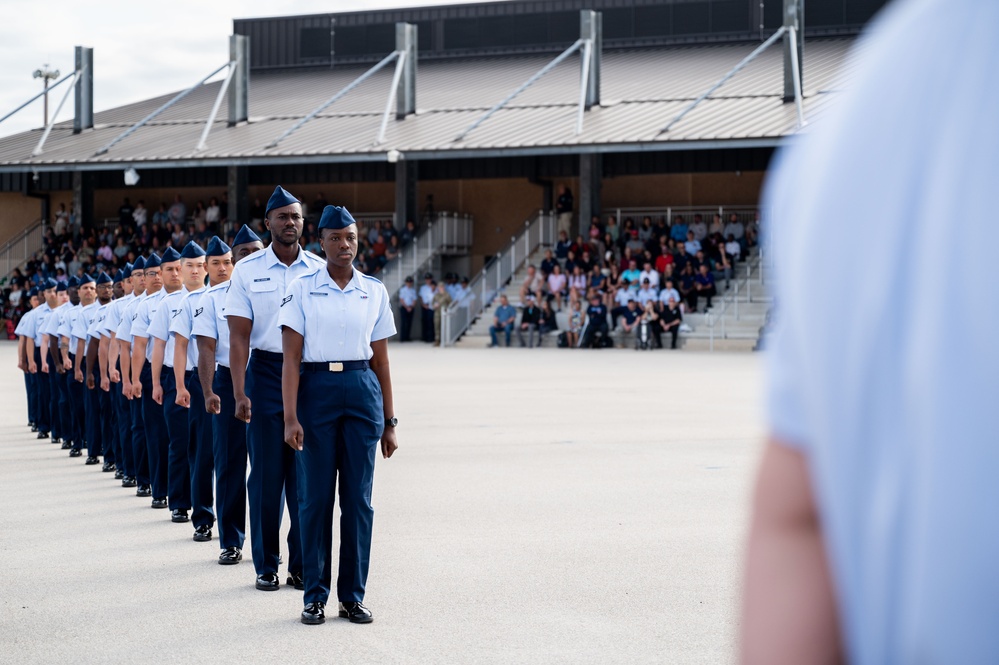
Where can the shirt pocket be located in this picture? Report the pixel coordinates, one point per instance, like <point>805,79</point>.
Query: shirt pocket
<point>263,287</point>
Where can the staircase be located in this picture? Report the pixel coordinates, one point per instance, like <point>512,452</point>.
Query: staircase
<point>447,234</point>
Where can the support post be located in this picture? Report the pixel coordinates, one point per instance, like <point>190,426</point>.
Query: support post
<point>591,29</point>
<point>84,107</point>
<point>590,180</point>
<point>405,94</point>
<point>83,198</point>
<point>239,89</point>
<point>238,182</point>
<point>794,17</point>
<point>406,178</point>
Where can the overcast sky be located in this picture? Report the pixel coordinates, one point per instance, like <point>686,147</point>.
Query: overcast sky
<point>141,48</point>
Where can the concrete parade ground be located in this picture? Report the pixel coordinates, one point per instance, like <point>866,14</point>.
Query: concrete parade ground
<point>544,506</point>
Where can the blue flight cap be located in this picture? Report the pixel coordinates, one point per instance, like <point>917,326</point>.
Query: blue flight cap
<point>169,256</point>
<point>49,284</point>
<point>153,261</point>
<point>86,279</point>
<point>63,286</point>
<point>118,276</point>
<point>33,291</point>
<point>279,199</point>
<point>245,235</point>
<point>73,282</point>
<point>218,248</point>
<point>335,217</point>
<point>192,250</point>
<point>104,278</point>
<point>126,272</point>
<point>140,264</point>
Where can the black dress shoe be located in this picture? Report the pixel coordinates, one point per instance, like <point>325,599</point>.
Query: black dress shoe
<point>230,556</point>
<point>159,503</point>
<point>118,474</point>
<point>108,467</point>
<point>66,445</point>
<point>91,460</point>
<point>203,534</point>
<point>268,582</point>
<point>56,439</point>
<point>355,613</point>
<point>295,580</point>
<point>143,491</point>
<point>179,516</point>
<point>42,435</point>
<point>314,614</point>
<point>75,452</point>
<point>128,481</point>
<point>34,429</point>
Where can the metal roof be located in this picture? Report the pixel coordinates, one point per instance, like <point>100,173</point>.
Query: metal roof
<point>642,90</point>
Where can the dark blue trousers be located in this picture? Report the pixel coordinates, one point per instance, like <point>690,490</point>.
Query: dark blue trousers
<point>77,408</point>
<point>200,454</point>
<point>109,425</point>
<point>272,469</point>
<point>342,417</point>
<point>29,386</point>
<point>95,427</point>
<point>42,399</point>
<point>157,442</point>
<point>66,406</point>
<point>229,449</point>
<point>56,400</point>
<point>123,419</point>
<point>140,453</point>
<point>178,431</point>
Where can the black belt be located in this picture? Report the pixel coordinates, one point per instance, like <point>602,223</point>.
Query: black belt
<point>342,366</point>
<point>269,356</point>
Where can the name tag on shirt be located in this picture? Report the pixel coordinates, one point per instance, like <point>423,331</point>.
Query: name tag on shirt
<point>318,293</point>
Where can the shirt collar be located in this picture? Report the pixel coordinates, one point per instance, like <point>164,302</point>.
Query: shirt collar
<point>273,260</point>
<point>356,281</point>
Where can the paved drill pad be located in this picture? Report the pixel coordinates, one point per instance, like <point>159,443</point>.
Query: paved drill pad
<point>545,506</point>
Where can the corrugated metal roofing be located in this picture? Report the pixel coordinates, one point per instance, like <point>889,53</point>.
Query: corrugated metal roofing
<point>642,91</point>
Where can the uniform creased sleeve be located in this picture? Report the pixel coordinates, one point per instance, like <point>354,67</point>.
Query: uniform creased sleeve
<point>237,300</point>
<point>203,323</point>
<point>181,323</point>
<point>159,325</point>
<point>292,313</point>
<point>385,323</point>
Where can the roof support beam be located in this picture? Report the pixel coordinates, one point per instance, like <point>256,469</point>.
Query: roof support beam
<point>215,108</point>
<point>155,113</point>
<point>239,93</point>
<point>524,86</point>
<point>322,107</point>
<point>400,65</point>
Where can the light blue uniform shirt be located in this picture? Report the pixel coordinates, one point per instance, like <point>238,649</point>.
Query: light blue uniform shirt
<point>407,296</point>
<point>66,323</point>
<point>97,323</point>
<point>181,324</point>
<point>26,322</point>
<point>113,318</point>
<point>38,323</point>
<point>145,311</point>
<point>255,291</point>
<point>337,324</point>
<point>427,294</point>
<point>82,323</point>
<point>159,323</point>
<point>51,326</point>
<point>128,314</point>
<point>884,374</point>
<point>209,321</point>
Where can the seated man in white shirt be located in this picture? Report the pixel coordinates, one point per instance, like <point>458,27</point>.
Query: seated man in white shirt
<point>646,294</point>
<point>650,275</point>
<point>733,248</point>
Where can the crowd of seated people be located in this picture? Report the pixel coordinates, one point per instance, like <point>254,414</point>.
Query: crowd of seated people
<point>639,278</point>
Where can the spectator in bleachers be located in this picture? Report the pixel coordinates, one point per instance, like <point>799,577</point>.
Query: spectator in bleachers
<point>596,323</point>
<point>733,248</point>
<point>125,212</point>
<point>735,228</point>
<point>562,246</point>
<point>575,324</point>
<point>681,258</point>
<point>393,249</point>
<point>629,320</point>
<point>529,318</point>
<point>610,250</point>
<point>685,285</point>
<point>139,215</point>
<point>650,326</point>
<point>613,276</point>
<point>547,320</point>
<point>704,287</point>
<point>646,232</point>
<point>177,213</point>
<point>649,275</point>
<point>105,254</point>
<point>213,214</point>
<point>408,233</point>
<point>632,275</point>
<point>634,244</point>
<point>622,296</point>
<point>548,263</point>
<point>577,281</point>
<point>503,321</point>
<point>533,284</point>
<point>679,230</point>
<point>200,214</point>
<point>670,319</point>
<point>692,245</point>
<point>646,294</point>
<point>612,229</point>
<point>699,228</point>
<point>717,225</point>
<point>597,281</point>
<point>563,210</point>
<point>61,225</point>
<point>178,237</point>
<point>557,284</point>
<point>161,216</point>
<point>121,249</point>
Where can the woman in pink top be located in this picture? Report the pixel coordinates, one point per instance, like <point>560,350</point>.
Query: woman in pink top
<point>556,285</point>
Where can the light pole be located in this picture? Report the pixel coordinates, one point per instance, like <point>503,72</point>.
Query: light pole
<point>46,75</point>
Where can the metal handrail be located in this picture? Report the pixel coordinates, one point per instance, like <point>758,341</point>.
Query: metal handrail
<point>449,232</point>
<point>732,299</point>
<point>15,252</point>
<point>745,212</point>
<point>487,284</point>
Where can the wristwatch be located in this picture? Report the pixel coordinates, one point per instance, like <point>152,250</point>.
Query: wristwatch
<point>391,422</point>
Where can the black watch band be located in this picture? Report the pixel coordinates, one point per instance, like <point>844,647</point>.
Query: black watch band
<point>391,422</point>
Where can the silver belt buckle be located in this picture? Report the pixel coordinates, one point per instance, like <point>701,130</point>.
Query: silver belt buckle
<point>336,367</point>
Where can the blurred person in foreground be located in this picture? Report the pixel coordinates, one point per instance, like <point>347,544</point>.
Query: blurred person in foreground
<point>872,538</point>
